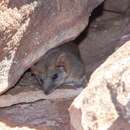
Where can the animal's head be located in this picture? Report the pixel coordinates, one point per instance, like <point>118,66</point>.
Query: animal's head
<point>51,76</point>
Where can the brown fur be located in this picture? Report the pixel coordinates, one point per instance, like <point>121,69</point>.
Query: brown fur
<point>60,66</point>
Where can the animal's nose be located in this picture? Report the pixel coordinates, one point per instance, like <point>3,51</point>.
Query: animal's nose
<point>47,90</point>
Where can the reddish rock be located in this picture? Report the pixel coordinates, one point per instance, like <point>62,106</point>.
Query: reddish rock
<point>28,29</point>
<point>98,43</point>
<point>104,103</point>
<point>42,115</point>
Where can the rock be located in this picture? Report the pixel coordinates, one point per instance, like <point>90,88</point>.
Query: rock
<point>28,29</point>
<point>42,115</point>
<point>98,43</point>
<point>27,94</point>
<point>104,103</point>
<point>119,6</point>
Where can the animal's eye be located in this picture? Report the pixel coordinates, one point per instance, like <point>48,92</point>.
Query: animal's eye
<point>41,80</point>
<point>55,76</point>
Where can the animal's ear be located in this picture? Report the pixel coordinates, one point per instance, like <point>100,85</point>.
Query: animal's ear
<point>62,62</point>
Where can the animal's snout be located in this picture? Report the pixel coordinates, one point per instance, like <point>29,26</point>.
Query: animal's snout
<point>48,86</point>
<point>48,90</point>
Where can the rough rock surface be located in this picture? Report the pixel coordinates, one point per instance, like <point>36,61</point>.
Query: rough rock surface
<point>42,115</point>
<point>106,98</point>
<point>98,42</point>
<point>28,29</point>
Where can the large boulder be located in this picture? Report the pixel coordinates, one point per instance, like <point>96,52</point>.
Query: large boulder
<point>104,103</point>
<point>102,31</point>
<point>28,29</point>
